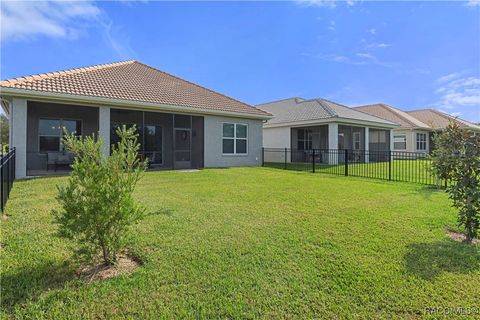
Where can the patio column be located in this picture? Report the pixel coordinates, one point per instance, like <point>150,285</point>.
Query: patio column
<point>333,143</point>
<point>104,128</point>
<point>390,132</point>
<point>367,144</point>
<point>18,135</point>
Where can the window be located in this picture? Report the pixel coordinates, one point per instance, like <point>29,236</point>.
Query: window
<point>356,140</point>
<point>304,139</point>
<point>378,136</point>
<point>51,131</point>
<point>400,142</point>
<point>234,138</point>
<point>421,141</point>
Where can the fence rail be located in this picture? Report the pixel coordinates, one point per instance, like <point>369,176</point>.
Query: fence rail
<point>386,165</point>
<point>7,176</point>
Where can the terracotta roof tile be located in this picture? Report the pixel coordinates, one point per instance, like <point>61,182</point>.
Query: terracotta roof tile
<point>133,81</point>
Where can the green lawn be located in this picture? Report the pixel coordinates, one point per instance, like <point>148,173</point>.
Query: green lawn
<point>416,171</point>
<point>249,243</point>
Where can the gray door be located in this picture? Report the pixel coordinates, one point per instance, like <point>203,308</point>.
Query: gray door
<point>183,148</point>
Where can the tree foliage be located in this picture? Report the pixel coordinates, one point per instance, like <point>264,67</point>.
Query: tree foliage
<point>457,159</point>
<point>97,205</point>
<point>4,132</point>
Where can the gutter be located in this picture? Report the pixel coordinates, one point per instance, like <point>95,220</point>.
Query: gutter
<point>97,101</point>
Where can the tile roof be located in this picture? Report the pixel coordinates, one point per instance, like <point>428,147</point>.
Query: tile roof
<point>438,120</point>
<point>131,81</point>
<point>390,113</point>
<point>299,109</point>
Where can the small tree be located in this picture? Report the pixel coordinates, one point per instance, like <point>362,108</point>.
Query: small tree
<point>457,159</point>
<point>4,133</point>
<point>97,202</point>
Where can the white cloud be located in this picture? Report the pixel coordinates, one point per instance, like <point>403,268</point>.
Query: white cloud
<point>473,3</point>
<point>365,58</point>
<point>372,31</point>
<point>365,55</point>
<point>28,20</point>
<point>457,91</point>
<point>331,25</point>
<point>24,20</point>
<point>326,3</point>
<point>449,77</point>
<point>318,3</point>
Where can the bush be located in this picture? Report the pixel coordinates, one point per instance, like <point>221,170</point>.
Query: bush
<point>97,202</point>
<point>457,158</point>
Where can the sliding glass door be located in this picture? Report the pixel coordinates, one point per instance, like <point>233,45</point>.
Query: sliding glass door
<point>150,139</point>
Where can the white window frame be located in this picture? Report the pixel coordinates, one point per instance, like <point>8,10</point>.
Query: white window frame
<point>404,140</point>
<point>420,142</point>
<point>235,138</point>
<point>356,135</point>
<point>307,140</point>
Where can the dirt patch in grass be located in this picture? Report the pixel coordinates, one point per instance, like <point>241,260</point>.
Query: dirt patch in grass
<point>460,237</point>
<point>125,265</point>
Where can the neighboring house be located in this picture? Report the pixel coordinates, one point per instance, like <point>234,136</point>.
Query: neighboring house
<point>300,124</point>
<point>181,125</point>
<point>412,136</point>
<point>438,120</point>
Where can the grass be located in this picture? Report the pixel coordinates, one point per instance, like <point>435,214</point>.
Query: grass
<point>249,243</point>
<point>416,171</point>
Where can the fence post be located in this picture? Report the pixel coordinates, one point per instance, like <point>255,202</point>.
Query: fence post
<point>14,156</point>
<point>346,162</point>
<point>313,160</point>
<point>2,184</point>
<point>263,156</point>
<point>389,165</point>
<point>8,175</point>
<point>285,165</point>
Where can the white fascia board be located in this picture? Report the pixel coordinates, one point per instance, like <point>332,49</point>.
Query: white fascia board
<point>126,104</point>
<point>338,120</point>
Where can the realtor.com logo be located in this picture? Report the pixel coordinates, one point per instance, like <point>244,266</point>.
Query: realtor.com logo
<point>466,311</point>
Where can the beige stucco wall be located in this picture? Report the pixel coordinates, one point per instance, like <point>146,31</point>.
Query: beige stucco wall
<point>411,136</point>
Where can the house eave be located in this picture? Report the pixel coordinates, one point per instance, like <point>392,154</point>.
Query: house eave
<point>7,92</point>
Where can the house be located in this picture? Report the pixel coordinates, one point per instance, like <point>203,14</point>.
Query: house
<point>418,127</point>
<point>303,125</point>
<point>181,124</point>
<point>437,120</point>
<point>412,136</point>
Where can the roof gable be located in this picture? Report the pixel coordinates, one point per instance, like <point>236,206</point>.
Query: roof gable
<point>131,81</point>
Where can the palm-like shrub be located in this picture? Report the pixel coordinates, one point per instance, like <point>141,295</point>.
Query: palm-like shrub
<point>97,205</point>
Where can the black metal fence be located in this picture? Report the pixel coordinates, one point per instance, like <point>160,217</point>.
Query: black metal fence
<point>7,176</point>
<point>387,165</point>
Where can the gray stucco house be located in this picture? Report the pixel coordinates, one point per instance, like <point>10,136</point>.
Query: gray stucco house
<point>302,125</point>
<point>181,124</point>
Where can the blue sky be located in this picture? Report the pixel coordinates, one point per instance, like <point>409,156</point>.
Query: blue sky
<point>407,54</point>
